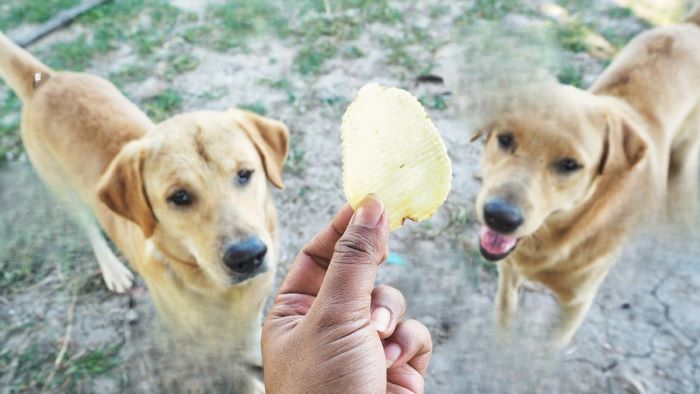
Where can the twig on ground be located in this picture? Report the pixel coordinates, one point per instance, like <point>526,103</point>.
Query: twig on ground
<point>66,337</point>
<point>5,301</point>
<point>60,20</point>
<point>329,11</point>
<point>50,277</point>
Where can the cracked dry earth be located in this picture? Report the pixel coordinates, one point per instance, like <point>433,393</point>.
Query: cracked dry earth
<point>641,335</point>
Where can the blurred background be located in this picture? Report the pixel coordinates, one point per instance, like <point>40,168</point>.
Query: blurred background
<point>302,61</point>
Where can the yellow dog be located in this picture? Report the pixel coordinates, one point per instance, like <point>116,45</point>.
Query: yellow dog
<point>186,201</point>
<point>567,176</point>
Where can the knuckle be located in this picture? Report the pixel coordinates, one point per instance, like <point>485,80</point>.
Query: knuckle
<point>388,296</point>
<point>338,317</point>
<point>356,246</point>
<point>417,333</point>
<point>427,338</point>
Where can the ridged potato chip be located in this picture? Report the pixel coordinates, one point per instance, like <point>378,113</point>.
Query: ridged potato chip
<point>392,149</point>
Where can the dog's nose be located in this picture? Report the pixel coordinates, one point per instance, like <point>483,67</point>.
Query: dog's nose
<point>502,216</point>
<point>245,257</point>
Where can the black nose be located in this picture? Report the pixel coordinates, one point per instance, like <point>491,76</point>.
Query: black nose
<point>502,216</point>
<point>245,257</point>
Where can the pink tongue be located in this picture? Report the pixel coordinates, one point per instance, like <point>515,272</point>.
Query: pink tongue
<point>495,243</point>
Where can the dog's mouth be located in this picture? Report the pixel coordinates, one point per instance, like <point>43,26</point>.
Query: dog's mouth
<point>237,279</point>
<point>495,246</point>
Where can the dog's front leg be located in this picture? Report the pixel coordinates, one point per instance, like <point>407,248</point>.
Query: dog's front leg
<point>506,299</point>
<point>574,307</point>
<point>682,195</point>
<point>571,317</point>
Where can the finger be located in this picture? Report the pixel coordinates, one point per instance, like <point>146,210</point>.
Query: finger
<point>404,380</point>
<point>411,344</point>
<point>349,280</point>
<point>308,269</point>
<point>388,309</point>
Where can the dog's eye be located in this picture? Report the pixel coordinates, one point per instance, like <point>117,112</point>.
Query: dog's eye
<point>566,166</point>
<point>243,177</point>
<point>506,141</point>
<point>181,198</point>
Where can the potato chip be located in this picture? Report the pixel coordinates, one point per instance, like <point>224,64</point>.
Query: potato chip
<point>392,149</point>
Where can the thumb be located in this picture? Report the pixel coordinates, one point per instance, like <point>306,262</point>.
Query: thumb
<point>349,281</point>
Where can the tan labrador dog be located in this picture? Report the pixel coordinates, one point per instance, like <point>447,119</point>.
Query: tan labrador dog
<point>186,201</point>
<point>567,173</point>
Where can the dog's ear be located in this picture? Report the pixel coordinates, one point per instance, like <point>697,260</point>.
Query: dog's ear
<point>481,131</point>
<point>123,191</point>
<point>476,134</point>
<point>270,138</point>
<point>623,147</point>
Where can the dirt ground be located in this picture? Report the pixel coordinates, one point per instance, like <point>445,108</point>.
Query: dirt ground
<point>642,334</point>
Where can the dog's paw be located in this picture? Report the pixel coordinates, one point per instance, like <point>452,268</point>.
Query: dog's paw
<point>117,277</point>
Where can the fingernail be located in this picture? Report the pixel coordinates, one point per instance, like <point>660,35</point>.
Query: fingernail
<point>392,352</point>
<point>370,211</point>
<point>381,317</point>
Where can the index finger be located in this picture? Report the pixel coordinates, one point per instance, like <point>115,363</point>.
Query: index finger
<point>306,274</point>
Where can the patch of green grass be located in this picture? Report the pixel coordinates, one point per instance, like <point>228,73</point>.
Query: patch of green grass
<point>572,36</point>
<point>74,55</point>
<point>130,73</point>
<point>324,36</point>
<point>321,38</point>
<point>112,25</point>
<point>243,17</point>
<point>11,104</point>
<point>163,105</point>
<point>150,37</point>
<point>284,85</point>
<point>33,241</point>
<point>32,253</point>
<point>398,52</point>
<point>380,11</point>
<point>281,84</point>
<point>10,143</point>
<point>459,218</point>
<point>34,365</point>
<point>304,192</point>
<point>489,266</point>
<point>353,52</point>
<point>257,107</point>
<point>434,101</point>
<point>570,75</point>
<point>197,34</point>
<point>414,49</point>
<point>617,12</point>
<point>92,284</point>
<point>470,262</point>
<point>439,10</point>
<point>15,13</point>
<point>335,101</point>
<point>295,163</point>
<point>310,58</point>
<point>180,63</point>
<point>93,363</point>
<point>214,93</point>
<point>231,24</point>
<point>618,39</point>
<point>494,9</point>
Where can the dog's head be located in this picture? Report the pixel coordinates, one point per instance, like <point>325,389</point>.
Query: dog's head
<point>546,159</point>
<point>197,187</point>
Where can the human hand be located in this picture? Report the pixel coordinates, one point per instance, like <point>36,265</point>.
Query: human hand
<point>330,330</point>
